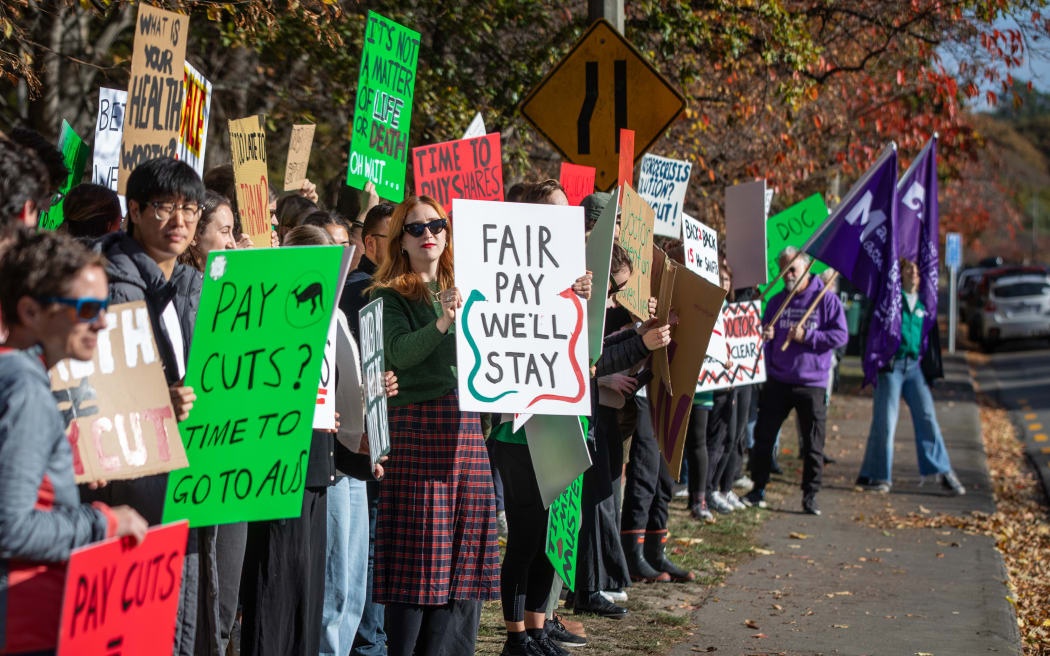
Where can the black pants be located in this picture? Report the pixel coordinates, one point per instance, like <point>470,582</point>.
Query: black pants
<point>220,586</point>
<point>719,423</point>
<point>527,574</point>
<point>600,561</point>
<point>282,586</point>
<point>696,451</point>
<point>648,491</point>
<point>448,630</point>
<point>775,403</point>
<point>738,445</point>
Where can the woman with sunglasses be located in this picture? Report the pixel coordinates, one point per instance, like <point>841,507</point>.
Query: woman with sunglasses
<point>53,296</point>
<point>436,551</point>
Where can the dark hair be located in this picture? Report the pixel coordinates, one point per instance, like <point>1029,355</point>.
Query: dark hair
<point>91,210</point>
<point>221,180</point>
<point>321,218</point>
<point>22,178</point>
<point>292,209</point>
<point>48,154</point>
<point>517,191</point>
<point>308,235</point>
<point>540,192</point>
<point>40,264</point>
<point>193,256</point>
<point>375,218</point>
<point>620,259</point>
<point>164,176</point>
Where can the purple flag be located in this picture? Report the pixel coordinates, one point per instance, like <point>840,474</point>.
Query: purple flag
<point>918,230</point>
<point>859,240</point>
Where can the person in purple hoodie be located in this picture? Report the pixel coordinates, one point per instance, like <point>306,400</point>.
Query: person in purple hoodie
<point>796,377</point>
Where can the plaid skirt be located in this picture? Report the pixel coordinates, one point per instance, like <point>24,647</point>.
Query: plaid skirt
<point>436,527</point>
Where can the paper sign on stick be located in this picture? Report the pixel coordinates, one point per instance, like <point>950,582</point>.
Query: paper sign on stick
<point>599,261</point>
<point>298,156</point>
<point>521,335</point>
<point>558,449</point>
<point>383,115</point>
<point>793,227</point>
<point>74,156</point>
<point>196,112</point>
<point>255,364</point>
<point>701,249</point>
<point>626,159</point>
<point>636,237</point>
<point>578,181</point>
<point>563,532</point>
<point>746,213</point>
<point>468,168</point>
<point>154,110</point>
<point>117,406</point>
<point>371,329</point>
<point>108,132</point>
<point>123,599</point>
<point>741,325</point>
<point>662,182</point>
<point>476,128</point>
<point>248,148</point>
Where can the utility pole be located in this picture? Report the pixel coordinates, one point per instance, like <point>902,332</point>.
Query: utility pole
<point>610,10</point>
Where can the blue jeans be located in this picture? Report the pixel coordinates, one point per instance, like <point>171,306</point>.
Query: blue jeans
<point>346,566</point>
<point>371,637</point>
<point>903,379</point>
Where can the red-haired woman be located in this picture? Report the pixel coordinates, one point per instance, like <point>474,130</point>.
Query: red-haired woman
<point>437,557</point>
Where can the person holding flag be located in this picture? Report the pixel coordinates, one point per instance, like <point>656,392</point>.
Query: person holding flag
<point>903,376</point>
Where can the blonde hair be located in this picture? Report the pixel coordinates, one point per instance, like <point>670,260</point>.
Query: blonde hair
<point>396,271</point>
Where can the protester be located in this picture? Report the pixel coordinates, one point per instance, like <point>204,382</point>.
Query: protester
<point>53,295</point>
<point>214,231</point>
<point>222,180</point>
<point>291,210</point>
<point>517,191</point>
<point>356,239</point>
<point>437,555</point>
<point>904,377</point>
<point>48,155</point>
<point>695,455</point>
<point>796,377</point>
<point>336,227</point>
<point>91,211</point>
<point>23,186</point>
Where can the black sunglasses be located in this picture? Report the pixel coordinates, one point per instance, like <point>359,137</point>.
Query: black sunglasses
<point>87,309</point>
<point>436,227</point>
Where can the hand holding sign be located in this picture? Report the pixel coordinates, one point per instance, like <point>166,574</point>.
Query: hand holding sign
<point>451,301</point>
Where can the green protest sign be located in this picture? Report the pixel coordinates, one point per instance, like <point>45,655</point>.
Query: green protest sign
<point>383,113</point>
<point>75,155</point>
<point>563,532</point>
<point>255,365</point>
<point>793,227</point>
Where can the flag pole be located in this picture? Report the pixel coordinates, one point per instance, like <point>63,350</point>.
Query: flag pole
<point>812,306</point>
<point>771,285</point>
<point>791,295</point>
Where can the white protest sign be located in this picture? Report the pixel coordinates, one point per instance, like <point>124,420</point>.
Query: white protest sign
<point>109,129</point>
<point>476,128</point>
<point>746,364</point>
<point>701,249</point>
<point>662,183</point>
<point>521,335</point>
<point>324,411</point>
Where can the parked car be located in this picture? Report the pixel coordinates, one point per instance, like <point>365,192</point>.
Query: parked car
<point>1016,305</point>
<point>966,288</point>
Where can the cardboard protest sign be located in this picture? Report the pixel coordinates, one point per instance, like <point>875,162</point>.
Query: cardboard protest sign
<point>744,362</point>
<point>662,182</point>
<point>793,227</point>
<point>467,168</point>
<point>255,365</point>
<point>578,181</point>
<point>558,448</point>
<point>154,109</point>
<point>74,156</point>
<point>476,128</point>
<point>563,533</point>
<point>299,147</point>
<point>122,599</point>
<point>701,249</point>
<point>625,176</point>
<point>746,211</point>
<point>196,112</point>
<point>383,115</point>
<point>371,329</point>
<point>599,261</point>
<point>108,132</point>
<point>117,407</point>
<point>636,237</point>
<point>248,148</point>
<point>521,335</point>
<point>697,303</point>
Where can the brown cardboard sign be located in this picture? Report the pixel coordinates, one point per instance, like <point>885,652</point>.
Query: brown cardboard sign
<point>152,117</point>
<point>298,156</point>
<point>248,148</point>
<point>636,237</point>
<point>117,406</point>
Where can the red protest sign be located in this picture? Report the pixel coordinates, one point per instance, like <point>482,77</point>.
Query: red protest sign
<point>577,180</point>
<point>465,168</point>
<point>121,599</point>
<point>626,158</point>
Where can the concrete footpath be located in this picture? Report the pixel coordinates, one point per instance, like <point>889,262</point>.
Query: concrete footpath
<point>834,585</point>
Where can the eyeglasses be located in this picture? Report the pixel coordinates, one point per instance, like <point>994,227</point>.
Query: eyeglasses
<point>165,210</point>
<point>436,227</point>
<point>87,309</point>
<point>614,288</point>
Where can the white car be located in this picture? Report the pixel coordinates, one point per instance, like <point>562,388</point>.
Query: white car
<point>1016,307</point>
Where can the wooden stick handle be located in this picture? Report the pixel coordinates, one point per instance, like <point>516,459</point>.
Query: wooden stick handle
<point>790,295</point>
<point>812,306</point>
<point>771,285</point>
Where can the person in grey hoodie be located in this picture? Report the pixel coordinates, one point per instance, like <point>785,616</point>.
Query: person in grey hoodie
<point>796,378</point>
<point>53,297</point>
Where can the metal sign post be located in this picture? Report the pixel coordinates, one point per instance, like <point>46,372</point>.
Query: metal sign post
<point>952,259</point>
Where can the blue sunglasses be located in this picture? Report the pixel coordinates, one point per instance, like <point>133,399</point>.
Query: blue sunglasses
<point>87,309</point>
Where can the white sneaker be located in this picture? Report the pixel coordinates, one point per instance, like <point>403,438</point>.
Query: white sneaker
<point>716,502</point>
<point>733,500</point>
<point>501,523</point>
<point>744,484</point>
<point>614,596</point>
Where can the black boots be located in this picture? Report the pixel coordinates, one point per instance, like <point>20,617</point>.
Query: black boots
<point>654,553</point>
<point>633,545</point>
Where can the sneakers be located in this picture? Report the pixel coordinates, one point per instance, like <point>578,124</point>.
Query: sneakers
<point>700,512</point>
<point>950,482</point>
<point>501,523</point>
<point>560,635</point>
<point>546,645</point>
<point>615,596</point>
<point>744,484</point>
<point>717,503</point>
<point>733,500</point>
<point>809,506</point>
<point>680,491</point>
<point>755,499</point>
<point>527,647</point>
<point>595,604</point>
<point>872,485</point>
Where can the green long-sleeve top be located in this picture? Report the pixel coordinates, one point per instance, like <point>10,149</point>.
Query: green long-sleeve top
<point>422,357</point>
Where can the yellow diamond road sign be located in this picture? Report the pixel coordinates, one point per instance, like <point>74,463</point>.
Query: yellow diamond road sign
<point>602,85</point>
